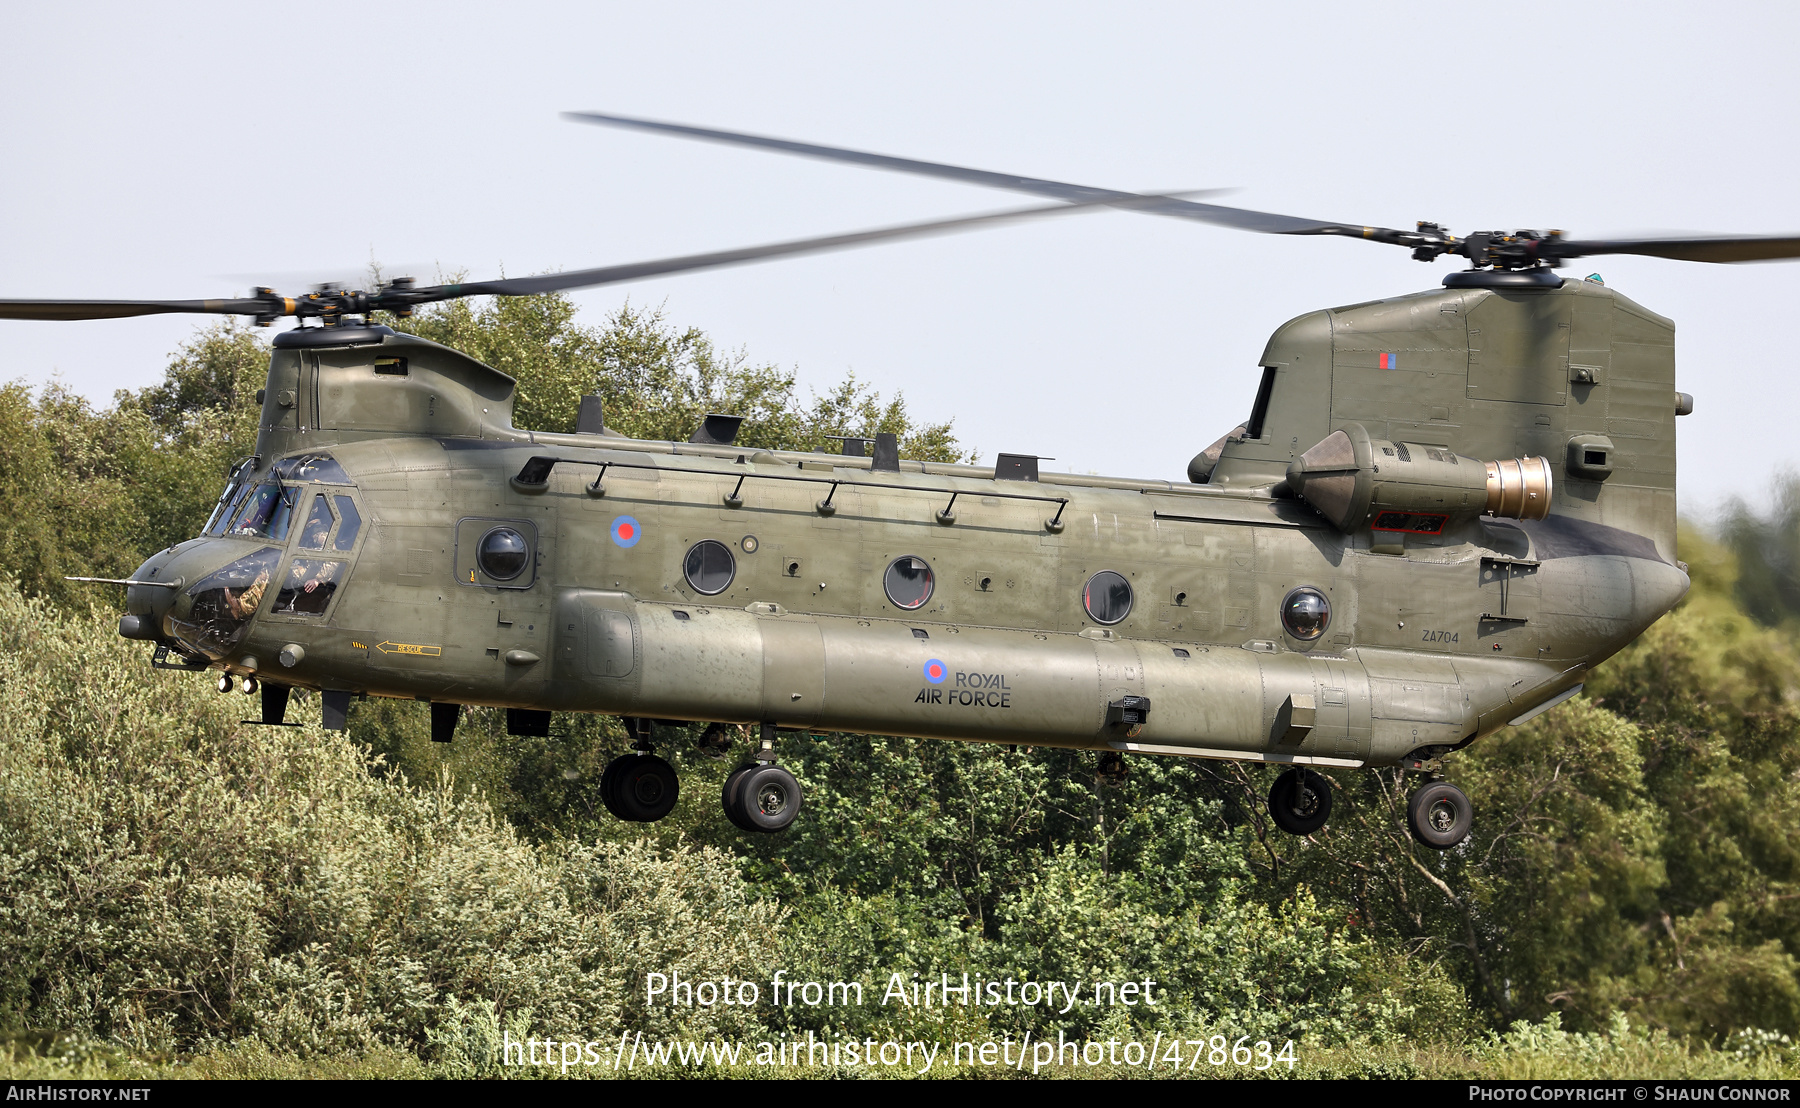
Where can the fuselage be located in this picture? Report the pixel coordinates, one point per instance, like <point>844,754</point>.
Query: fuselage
<point>397,536</point>
<point>1428,648</point>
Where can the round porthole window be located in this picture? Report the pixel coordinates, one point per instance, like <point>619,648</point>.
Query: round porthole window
<point>1107,597</point>
<point>709,567</point>
<point>1305,613</point>
<point>908,582</point>
<point>503,553</point>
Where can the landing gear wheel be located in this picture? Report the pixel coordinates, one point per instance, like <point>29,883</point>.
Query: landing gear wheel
<point>768,798</point>
<point>608,796</point>
<point>1300,801</point>
<point>1440,815</point>
<point>640,788</point>
<point>647,788</point>
<point>731,800</point>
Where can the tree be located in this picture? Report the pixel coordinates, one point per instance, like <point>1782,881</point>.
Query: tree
<point>659,381</point>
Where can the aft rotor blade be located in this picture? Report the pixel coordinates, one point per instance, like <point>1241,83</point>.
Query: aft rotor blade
<point>613,274</point>
<point>1720,248</point>
<point>122,309</point>
<point>1243,219</point>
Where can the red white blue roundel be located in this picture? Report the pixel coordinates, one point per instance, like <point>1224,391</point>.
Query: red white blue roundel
<point>935,671</point>
<point>627,531</point>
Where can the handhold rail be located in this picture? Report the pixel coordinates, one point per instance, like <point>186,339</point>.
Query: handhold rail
<point>534,477</point>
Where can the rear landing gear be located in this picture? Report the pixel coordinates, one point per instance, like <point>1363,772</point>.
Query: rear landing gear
<point>1300,801</point>
<point>761,796</point>
<point>1439,815</point>
<point>639,787</point>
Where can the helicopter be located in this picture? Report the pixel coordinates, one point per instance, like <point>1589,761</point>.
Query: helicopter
<point>1442,511</point>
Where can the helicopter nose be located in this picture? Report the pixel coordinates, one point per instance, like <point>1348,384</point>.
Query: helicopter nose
<point>165,576</point>
<point>146,604</point>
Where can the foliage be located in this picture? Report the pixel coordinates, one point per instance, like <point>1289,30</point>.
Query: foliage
<point>1766,553</point>
<point>659,381</point>
<point>169,877</point>
<point>90,493</point>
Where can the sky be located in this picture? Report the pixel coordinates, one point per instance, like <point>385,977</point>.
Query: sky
<point>187,151</point>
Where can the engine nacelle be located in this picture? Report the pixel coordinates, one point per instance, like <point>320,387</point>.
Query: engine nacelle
<point>1354,481</point>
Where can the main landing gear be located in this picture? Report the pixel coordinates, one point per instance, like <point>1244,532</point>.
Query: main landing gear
<point>760,795</point>
<point>1439,814</point>
<point>639,787</point>
<point>642,788</point>
<point>1300,801</point>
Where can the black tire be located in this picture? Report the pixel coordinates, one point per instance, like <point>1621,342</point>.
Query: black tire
<point>1300,801</point>
<point>645,788</point>
<point>608,793</point>
<point>1440,815</point>
<point>769,798</point>
<point>731,799</point>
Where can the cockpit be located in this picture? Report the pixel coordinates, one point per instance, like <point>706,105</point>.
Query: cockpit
<point>265,509</point>
<point>304,511</point>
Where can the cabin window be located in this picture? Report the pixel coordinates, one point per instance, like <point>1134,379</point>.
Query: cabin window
<point>309,586</point>
<point>1306,613</point>
<point>1107,597</point>
<point>709,567</point>
<point>503,553</point>
<point>908,582</point>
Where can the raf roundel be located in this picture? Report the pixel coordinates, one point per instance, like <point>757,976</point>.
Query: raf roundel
<point>935,671</point>
<point>627,531</point>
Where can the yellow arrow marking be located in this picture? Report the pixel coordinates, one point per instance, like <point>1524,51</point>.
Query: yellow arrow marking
<point>409,648</point>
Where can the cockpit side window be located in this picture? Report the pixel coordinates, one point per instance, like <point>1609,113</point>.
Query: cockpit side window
<point>352,522</point>
<point>317,530</point>
<point>309,587</point>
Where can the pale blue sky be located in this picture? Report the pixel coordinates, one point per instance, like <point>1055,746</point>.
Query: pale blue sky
<point>181,151</point>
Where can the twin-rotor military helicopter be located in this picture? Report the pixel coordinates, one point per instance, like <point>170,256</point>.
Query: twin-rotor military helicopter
<point>1441,512</point>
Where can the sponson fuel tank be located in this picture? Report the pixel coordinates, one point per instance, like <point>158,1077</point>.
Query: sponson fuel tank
<point>618,654</point>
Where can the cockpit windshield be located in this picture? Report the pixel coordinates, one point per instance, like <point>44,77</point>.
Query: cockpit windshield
<point>266,511</point>
<point>234,486</point>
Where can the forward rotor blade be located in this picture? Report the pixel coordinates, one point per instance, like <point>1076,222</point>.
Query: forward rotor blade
<point>401,297</point>
<point>1719,248</point>
<point>121,309</point>
<point>613,274</point>
<point>1243,219</point>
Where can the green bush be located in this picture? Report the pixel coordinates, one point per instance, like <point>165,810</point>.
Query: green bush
<point>170,878</point>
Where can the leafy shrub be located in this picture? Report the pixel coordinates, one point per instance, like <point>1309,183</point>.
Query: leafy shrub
<point>170,878</point>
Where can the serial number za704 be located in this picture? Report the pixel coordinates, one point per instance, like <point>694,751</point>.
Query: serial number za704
<point>1218,1051</point>
<point>1439,636</point>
